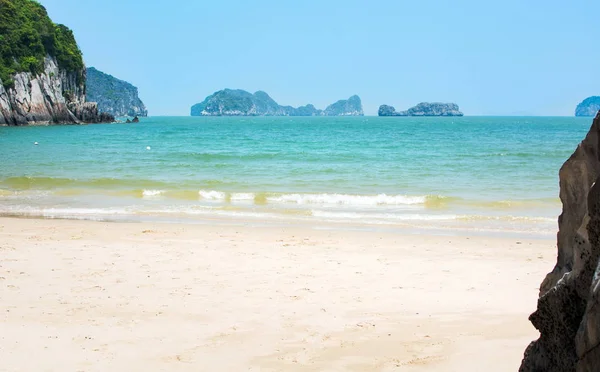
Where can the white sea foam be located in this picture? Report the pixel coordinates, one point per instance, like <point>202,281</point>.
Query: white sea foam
<point>381,199</point>
<point>324,199</point>
<point>240,196</point>
<point>212,195</point>
<point>62,212</point>
<point>507,218</point>
<point>150,193</point>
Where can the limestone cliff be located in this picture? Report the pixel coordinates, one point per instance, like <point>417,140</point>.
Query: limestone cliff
<point>52,97</point>
<point>42,74</point>
<point>588,107</point>
<point>114,96</point>
<point>345,107</point>
<point>568,311</point>
<point>237,102</point>
<point>423,109</point>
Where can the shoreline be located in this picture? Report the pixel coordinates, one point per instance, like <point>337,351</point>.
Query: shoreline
<point>432,228</point>
<point>121,296</point>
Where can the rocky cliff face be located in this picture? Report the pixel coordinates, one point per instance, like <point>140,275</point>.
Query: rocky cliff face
<point>345,107</point>
<point>423,109</point>
<point>237,102</point>
<point>52,97</point>
<point>114,96</point>
<point>42,74</point>
<point>568,312</point>
<point>588,107</point>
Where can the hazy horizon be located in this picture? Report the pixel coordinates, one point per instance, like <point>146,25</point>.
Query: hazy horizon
<point>508,59</point>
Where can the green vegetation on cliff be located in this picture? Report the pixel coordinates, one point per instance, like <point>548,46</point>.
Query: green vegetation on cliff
<point>28,35</point>
<point>115,96</point>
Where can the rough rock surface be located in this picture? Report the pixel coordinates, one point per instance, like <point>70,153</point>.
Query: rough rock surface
<point>114,96</point>
<point>568,312</point>
<point>588,107</point>
<point>237,102</point>
<point>88,112</point>
<point>423,109</point>
<point>53,97</point>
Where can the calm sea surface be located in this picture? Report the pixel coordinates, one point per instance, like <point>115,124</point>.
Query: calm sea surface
<point>476,174</point>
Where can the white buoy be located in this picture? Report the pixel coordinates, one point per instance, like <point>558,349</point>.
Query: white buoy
<point>147,147</point>
<point>35,143</point>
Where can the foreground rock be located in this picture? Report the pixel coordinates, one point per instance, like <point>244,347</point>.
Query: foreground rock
<point>588,107</point>
<point>42,74</point>
<point>423,109</point>
<point>114,96</point>
<point>237,102</point>
<point>568,312</point>
<point>55,96</point>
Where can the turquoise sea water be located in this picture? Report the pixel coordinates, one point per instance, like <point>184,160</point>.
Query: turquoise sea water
<point>480,174</point>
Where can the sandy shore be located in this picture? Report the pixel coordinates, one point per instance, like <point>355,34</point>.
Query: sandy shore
<point>95,296</point>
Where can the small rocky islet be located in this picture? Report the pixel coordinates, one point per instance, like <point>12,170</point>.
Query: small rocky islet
<point>238,102</point>
<point>423,109</point>
<point>588,107</point>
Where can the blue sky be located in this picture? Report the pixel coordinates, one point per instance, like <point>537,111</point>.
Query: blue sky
<point>508,57</point>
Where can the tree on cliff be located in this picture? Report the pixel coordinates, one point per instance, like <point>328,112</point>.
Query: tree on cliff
<point>28,35</point>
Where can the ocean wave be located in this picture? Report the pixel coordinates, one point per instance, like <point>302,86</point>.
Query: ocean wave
<point>241,196</point>
<point>39,187</point>
<point>212,195</point>
<point>348,199</point>
<point>324,199</point>
<point>152,193</point>
<point>28,211</point>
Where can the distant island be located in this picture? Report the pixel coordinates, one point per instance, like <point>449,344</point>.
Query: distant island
<point>237,102</point>
<point>117,97</point>
<point>588,107</point>
<point>423,109</point>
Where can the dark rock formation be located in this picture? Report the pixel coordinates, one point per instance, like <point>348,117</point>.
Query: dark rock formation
<point>588,107</point>
<point>117,97</point>
<point>87,112</point>
<point>423,109</point>
<point>237,102</point>
<point>135,120</point>
<point>568,312</point>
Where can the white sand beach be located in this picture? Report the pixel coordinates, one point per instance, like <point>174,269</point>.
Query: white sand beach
<point>99,296</point>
